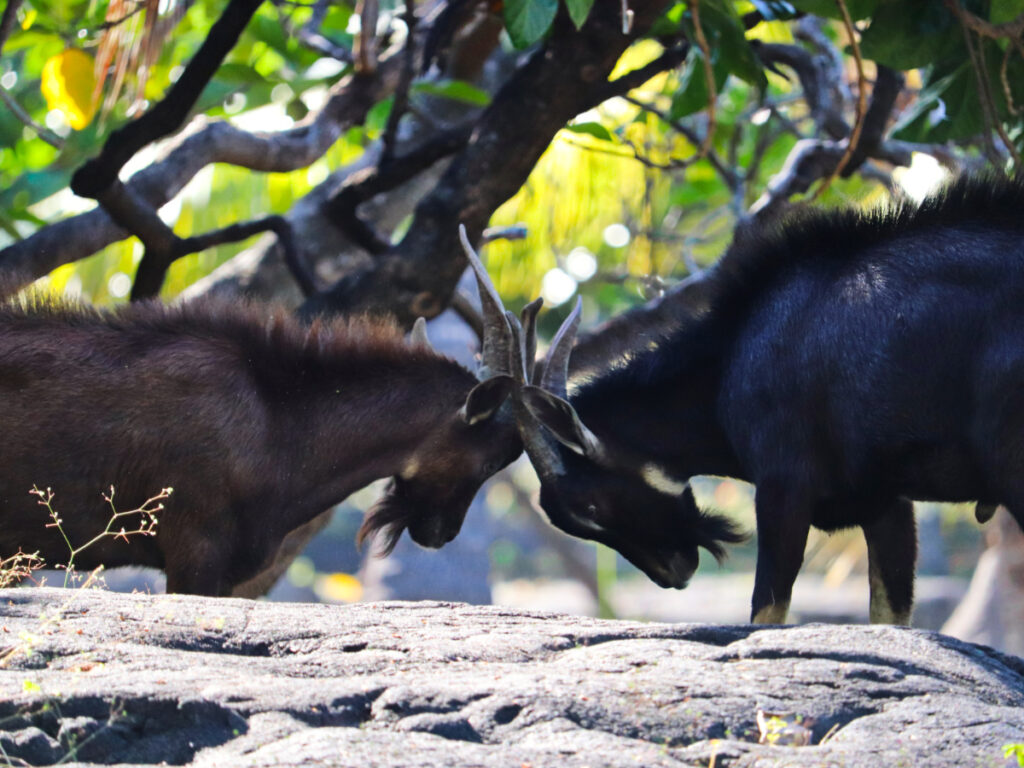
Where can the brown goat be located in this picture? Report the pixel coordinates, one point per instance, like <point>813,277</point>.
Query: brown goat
<point>258,423</point>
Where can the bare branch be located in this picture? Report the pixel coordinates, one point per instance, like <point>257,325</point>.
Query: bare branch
<point>401,101</point>
<point>420,273</point>
<point>728,175</point>
<point>365,51</point>
<point>153,268</point>
<point>341,206</point>
<point>1011,29</point>
<point>709,81</point>
<point>170,113</point>
<point>862,100</point>
<point>26,119</point>
<point>988,107</point>
<point>8,20</point>
<point>888,85</point>
<point>826,107</point>
<point>204,143</point>
<point>163,247</point>
<point>310,35</point>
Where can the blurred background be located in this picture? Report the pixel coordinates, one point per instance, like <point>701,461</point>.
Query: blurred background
<point>629,199</point>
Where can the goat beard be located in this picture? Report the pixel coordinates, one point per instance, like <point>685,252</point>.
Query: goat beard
<point>707,529</point>
<point>385,520</point>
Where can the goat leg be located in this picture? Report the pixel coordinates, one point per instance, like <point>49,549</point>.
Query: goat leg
<point>201,573</point>
<point>892,556</point>
<point>784,514</point>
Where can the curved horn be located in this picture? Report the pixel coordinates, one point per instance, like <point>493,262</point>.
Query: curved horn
<point>418,337</point>
<point>516,351</point>
<point>547,417</point>
<point>529,325</point>
<point>497,338</point>
<point>555,376</point>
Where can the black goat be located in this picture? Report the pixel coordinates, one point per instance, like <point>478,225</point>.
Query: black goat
<point>844,362</point>
<point>258,423</point>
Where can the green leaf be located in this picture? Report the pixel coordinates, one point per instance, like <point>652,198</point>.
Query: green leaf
<point>1001,12</point>
<point>727,39</point>
<point>668,23</point>
<point>906,34</point>
<point>377,117</point>
<point>457,90</point>
<point>269,31</point>
<point>859,9</point>
<point>692,95</point>
<point>238,74</point>
<point>579,10</point>
<point>527,21</point>
<point>596,130</point>
<point>947,109</point>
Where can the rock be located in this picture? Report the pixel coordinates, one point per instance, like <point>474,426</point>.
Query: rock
<point>137,679</point>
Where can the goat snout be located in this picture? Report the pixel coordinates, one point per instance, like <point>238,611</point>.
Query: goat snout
<point>672,570</point>
<point>432,532</point>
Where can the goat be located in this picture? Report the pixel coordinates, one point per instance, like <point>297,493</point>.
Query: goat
<point>258,423</point>
<point>843,362</point>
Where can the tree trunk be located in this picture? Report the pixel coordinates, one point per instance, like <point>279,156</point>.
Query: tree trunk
<point>992,611</point>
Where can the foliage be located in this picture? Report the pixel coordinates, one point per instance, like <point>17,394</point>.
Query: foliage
<point>620,164</point>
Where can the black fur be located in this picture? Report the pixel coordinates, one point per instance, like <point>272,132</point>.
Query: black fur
<point>843,361</point>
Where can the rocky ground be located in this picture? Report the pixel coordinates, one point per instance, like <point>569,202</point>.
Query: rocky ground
<point>98,677</point>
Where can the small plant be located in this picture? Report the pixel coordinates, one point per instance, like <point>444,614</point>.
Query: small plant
<point>17,567</point>
<point>145,522</point>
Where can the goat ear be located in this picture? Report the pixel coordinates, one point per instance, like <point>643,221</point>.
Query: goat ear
<point>486,398</point>
<point>561,420</point>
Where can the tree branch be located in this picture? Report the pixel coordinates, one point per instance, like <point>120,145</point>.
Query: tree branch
<point>358,188</point>
<point>169,114</point>
<point>418,276</point>
<point>862,100</point>
<point>25,119</point>
<point>8,20</point>
<point>204,143</point>
<point>154,265</point>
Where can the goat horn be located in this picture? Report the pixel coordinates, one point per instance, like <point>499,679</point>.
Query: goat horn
<point>529,325</point>
<point>497,336</point>
<point>418,337</point>
<point>516,352</point>
<point>555,376</point>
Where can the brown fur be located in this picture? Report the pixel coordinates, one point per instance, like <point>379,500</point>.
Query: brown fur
<point>259,423</point>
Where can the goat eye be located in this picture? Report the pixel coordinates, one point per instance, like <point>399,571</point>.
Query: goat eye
<point>490,468</point>
<point>591,509</point>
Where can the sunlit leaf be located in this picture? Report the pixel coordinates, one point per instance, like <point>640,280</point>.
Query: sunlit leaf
<point>377,117</point>
<point>527,21</point>
<point>68,83</point>
<point>596,130</point>
<point>457,90</point>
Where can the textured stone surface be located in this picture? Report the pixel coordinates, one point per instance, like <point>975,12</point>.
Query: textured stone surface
<point>135,679</point>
